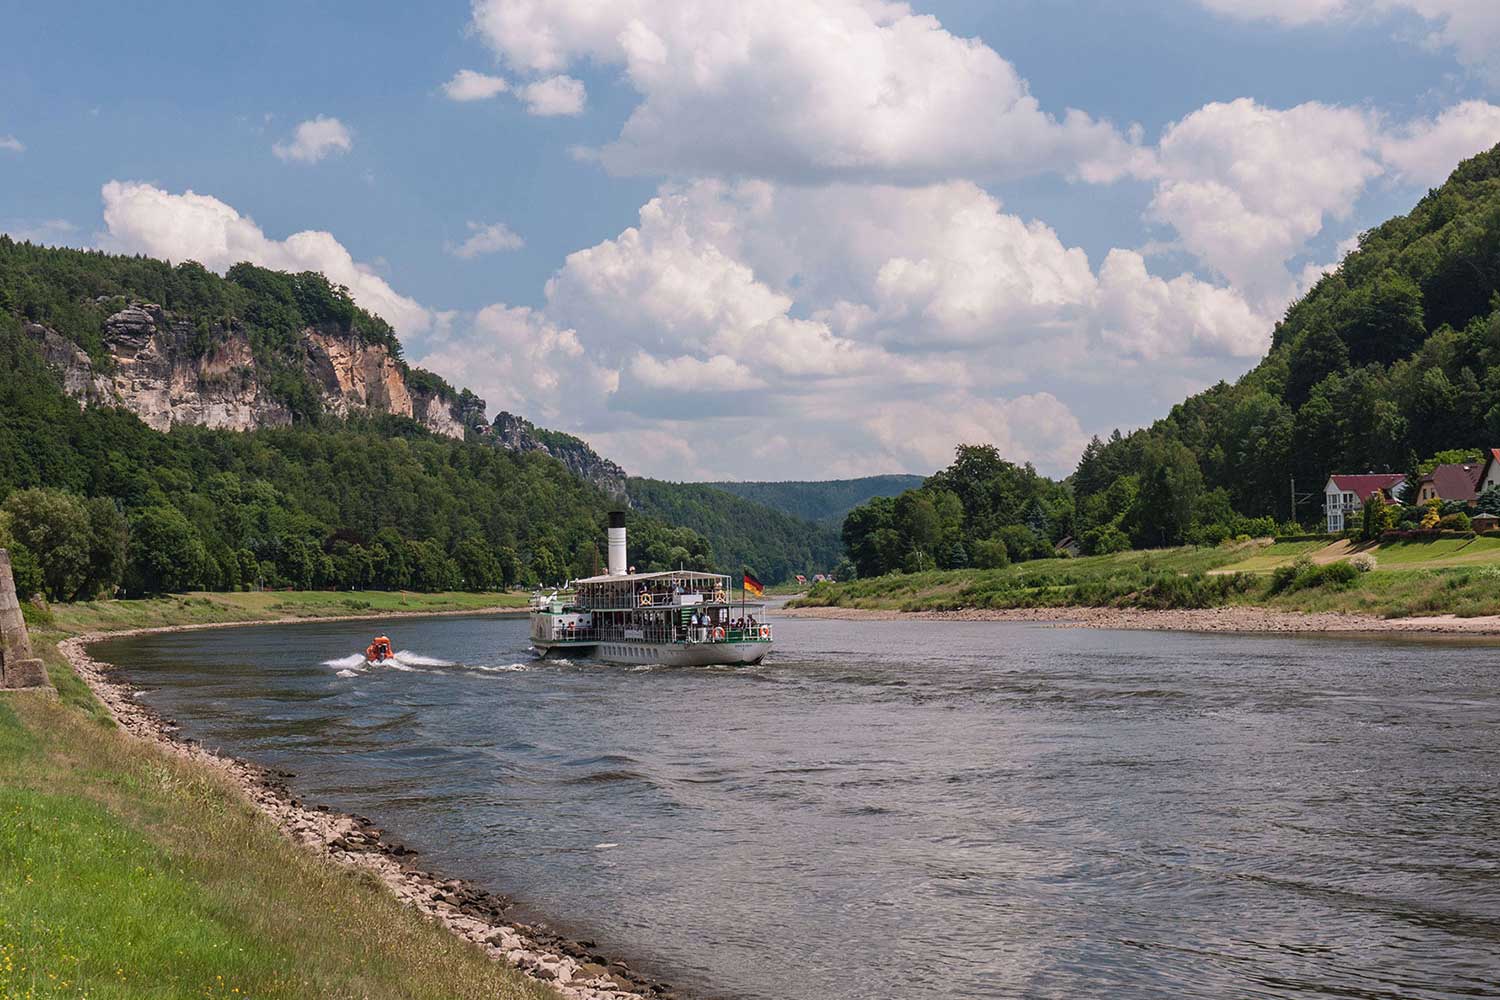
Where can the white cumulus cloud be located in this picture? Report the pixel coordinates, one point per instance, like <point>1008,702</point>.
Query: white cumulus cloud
<point>556,95</point>
<point>1246,187</point>
<point>315,139</point>
<point>803,89</point>
<point>468,85</point>
<point>486,238</point>
<point>1426,151</point>
<point>11,144</point>
<point>142,218</point>
<point>850,328</point>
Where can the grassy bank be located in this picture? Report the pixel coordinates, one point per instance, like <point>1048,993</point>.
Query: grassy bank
<point>218,608</point>
<point>127,872</point>
<point>1445,576</point>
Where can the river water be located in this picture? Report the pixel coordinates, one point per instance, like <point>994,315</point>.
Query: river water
<point>915,810</point>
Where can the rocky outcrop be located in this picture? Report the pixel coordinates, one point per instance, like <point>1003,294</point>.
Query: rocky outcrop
<point>519,434</point>
<point>19,668</point>
<point>158,370</point>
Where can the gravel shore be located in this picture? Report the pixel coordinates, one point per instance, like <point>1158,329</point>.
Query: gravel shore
<point>572,968</point>
<point>1231,619</point>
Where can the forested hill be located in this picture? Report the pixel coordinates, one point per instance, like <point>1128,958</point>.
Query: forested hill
<point>1387,364</point>
<point>1389,360</point>
<point>828,501</point>
<point>344,477</point>
<point>742,533</point>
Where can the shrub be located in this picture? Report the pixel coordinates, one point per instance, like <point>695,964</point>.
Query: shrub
<point>1364,562</point>
<point>1168,590</point>
<point>1105,541</point>
<point>991,554</point>
<point>1209,534</point>
<point>1454,522</point>
<point>1022,543</point>
<point>1305,575</point>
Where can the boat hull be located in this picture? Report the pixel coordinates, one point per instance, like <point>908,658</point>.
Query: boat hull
<point>678,654</point>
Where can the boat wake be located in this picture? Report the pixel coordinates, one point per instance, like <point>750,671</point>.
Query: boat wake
<point>355,664</point>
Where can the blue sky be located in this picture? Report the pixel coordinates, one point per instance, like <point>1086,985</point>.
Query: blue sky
<point>830,237</point>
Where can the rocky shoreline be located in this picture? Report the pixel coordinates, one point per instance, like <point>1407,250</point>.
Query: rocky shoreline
<point>571,967</point>
<point>1228,619</point>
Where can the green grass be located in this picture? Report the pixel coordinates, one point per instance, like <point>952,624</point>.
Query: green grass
<point>127,872</point>
<point>1438,553</point>
<point>1447,576</point>
<point>1267,558</point>
<point>1043,583</point>
<point>212,608</point>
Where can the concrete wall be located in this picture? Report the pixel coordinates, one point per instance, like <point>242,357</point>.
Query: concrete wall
<point>18,667</point>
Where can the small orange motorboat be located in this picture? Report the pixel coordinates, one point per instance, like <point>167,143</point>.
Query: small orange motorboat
<point>379,650</point>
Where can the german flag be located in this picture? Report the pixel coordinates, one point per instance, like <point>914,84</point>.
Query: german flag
<point>754,586</point>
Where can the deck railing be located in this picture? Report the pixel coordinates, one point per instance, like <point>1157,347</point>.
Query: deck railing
<point>659,634</point>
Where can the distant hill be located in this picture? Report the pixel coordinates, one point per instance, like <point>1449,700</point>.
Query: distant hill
<point>742,533</point>
<point>823,502</point>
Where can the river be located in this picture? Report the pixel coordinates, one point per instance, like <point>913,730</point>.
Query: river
<point>914,810</point>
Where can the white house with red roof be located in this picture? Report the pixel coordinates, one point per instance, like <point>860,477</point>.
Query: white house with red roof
<point>1346,494</point>
<point>1489,472</point>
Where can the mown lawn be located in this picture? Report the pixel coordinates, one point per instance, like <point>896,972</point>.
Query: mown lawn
<point>1438,553</point>
<point>1268,557</point>
<point>126,872</point>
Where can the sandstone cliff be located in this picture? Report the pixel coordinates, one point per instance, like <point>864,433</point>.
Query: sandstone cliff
<point>519,434</point>
<point>158,370</point>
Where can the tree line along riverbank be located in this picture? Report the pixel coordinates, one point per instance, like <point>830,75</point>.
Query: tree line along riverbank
<point>1458,576</point>
<point>129,870</point>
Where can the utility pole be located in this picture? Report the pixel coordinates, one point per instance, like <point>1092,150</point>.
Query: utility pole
<point>1297,498</point>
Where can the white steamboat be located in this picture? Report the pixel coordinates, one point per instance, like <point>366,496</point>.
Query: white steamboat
<point>679,618</point>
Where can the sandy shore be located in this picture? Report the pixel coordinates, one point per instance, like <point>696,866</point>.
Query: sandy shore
<point>1232,619</point>
<point>573,968</point>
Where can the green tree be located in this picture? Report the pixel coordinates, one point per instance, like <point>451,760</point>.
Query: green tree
<point>991,553</point>
<point>166,554</point>
<point>109,540</point>
<point>24,569</point>
<point>1318,353</point>
<point>1376,518</point>
<point>54,528</point>
<point>1170,485</point>
<point>477,564</point>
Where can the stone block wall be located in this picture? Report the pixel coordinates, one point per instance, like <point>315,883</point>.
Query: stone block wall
<point>18,667</point>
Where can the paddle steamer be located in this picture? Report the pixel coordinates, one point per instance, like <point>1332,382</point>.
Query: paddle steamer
<point>676,618</point>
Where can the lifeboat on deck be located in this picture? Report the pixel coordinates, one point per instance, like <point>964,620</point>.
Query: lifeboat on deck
<point>379,650</point>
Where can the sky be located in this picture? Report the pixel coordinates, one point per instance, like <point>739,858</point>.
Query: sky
<point>774,239</point>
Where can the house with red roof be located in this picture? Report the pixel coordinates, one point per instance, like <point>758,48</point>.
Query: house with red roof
<point>1344,495</point>
<point>1451,482</point>
<point>1489,472</point>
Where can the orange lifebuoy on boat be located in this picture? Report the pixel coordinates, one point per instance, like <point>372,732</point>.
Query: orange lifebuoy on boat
<point>718,635</point>
<point>765,632</point>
